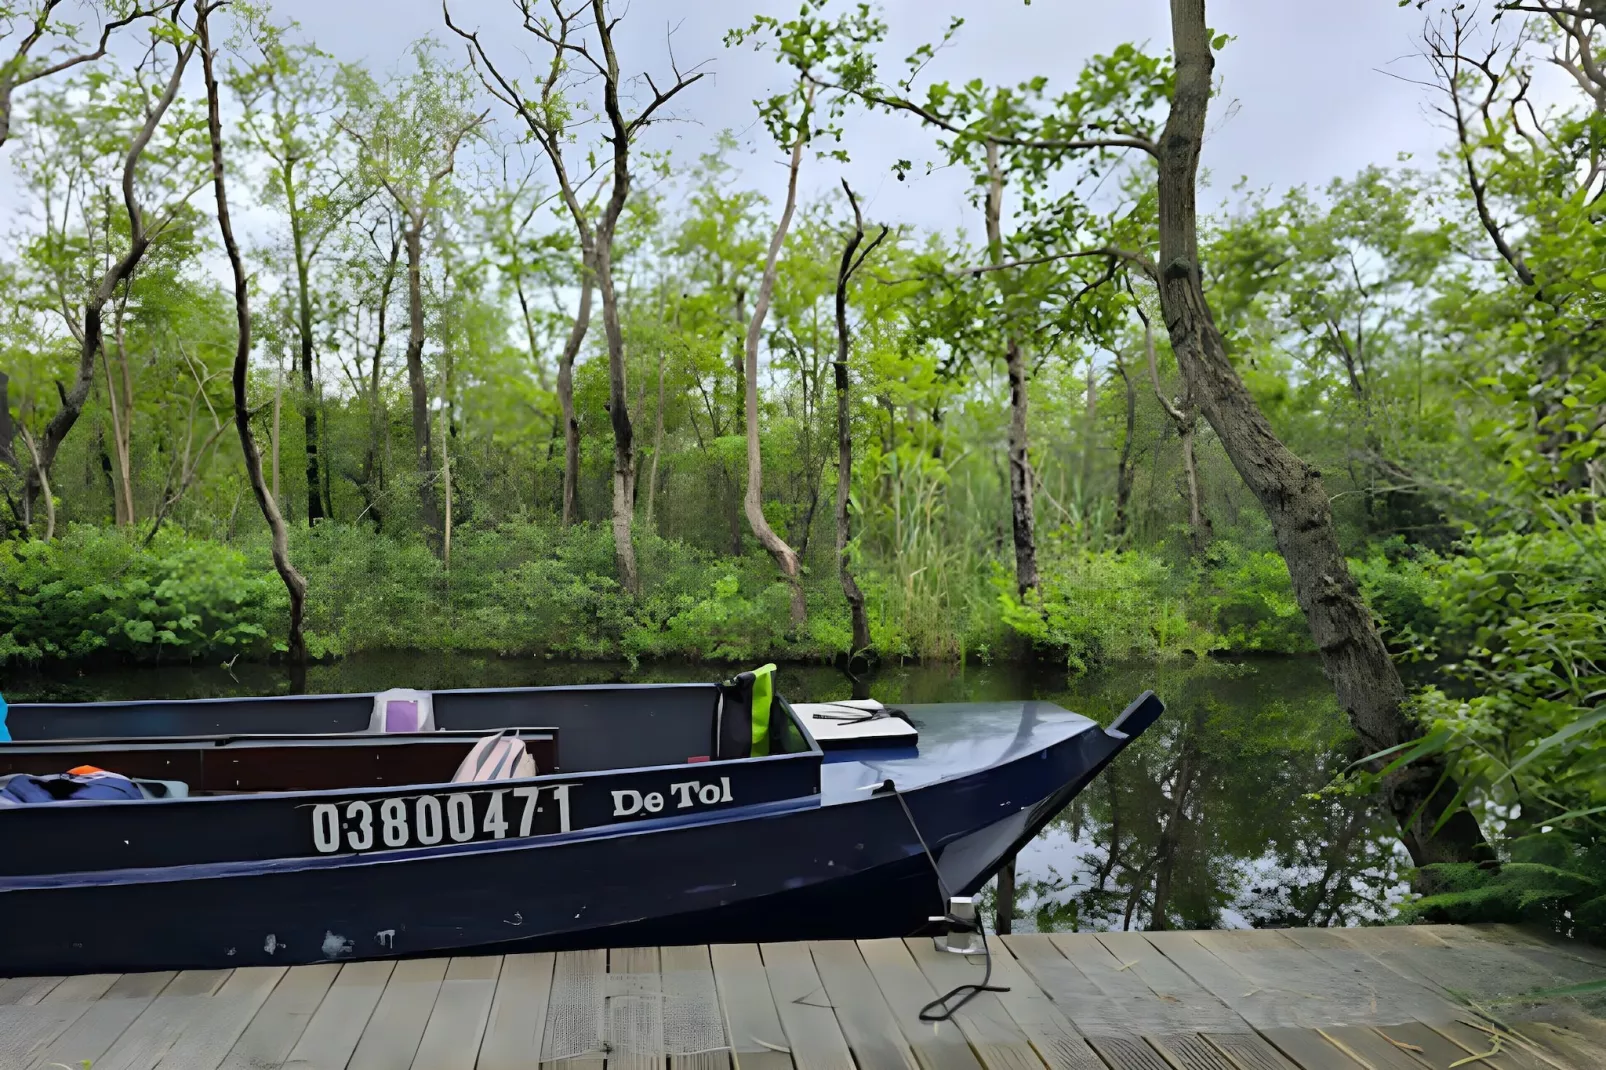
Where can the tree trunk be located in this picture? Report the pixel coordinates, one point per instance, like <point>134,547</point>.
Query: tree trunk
<point>624,446</point>
<point>273,442</point>
<point>105,471</point>
<point>571,426</point>
<point>1090,423</point>
<point>861,644</point>
<point>446,483</point>
<point>1186,420</point>
<point>753,500</point>
<point>1199,531</point>
<point>1291,492</point>
<point>1123,473</point>
<point>422,444</point>
<point>1023,515</point>
<point>293,582</point>
<point>844,491</point>
<point>119,404</point>
<point>377,431</point>
<point>657,440</point>
<point>44,476</point>
<point>316,507</point>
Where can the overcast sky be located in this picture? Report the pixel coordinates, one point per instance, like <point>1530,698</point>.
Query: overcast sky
<point>1310,99</point>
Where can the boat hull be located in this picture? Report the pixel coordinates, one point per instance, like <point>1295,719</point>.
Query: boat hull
<point>853,867</point>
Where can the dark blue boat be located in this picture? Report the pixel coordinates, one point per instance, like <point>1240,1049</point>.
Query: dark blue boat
<point>305,832</point>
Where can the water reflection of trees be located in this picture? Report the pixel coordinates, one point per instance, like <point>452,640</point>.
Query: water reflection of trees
<point>1210,820</point>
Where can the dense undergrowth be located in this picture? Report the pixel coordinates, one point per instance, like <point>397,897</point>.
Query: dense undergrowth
<point>533,589</point>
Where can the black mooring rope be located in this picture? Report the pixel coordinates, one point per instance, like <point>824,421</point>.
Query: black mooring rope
<point>965,992</point>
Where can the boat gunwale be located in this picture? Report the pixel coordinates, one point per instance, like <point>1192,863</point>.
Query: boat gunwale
<point>556,777</point>
<point>25,707</point>
<point>403,790</point>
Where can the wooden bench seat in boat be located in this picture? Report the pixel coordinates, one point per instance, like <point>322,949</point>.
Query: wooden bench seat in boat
<point>250,763</point>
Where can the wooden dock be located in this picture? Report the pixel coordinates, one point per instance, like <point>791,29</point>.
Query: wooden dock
<point>1316,999</point>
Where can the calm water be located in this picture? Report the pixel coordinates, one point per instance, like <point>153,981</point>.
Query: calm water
<point>1208,821</point>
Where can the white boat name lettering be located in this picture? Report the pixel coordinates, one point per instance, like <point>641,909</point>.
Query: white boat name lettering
<point>683,795</point>
<point>425,820</point>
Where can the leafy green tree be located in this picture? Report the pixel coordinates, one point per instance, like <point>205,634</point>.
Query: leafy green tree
<point>99,229</point>
<point>47,45</point>
<point>410,133</point>
<point>290,92</point>
<point>573,40</point>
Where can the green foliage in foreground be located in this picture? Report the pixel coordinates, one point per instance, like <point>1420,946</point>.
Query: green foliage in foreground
<point>538,589</point>
<point>1520,619</point>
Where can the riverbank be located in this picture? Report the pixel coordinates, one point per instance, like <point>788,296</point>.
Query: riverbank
<point>535,590</point>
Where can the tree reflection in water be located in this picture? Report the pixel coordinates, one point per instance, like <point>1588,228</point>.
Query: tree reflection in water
<point>1211,819</point>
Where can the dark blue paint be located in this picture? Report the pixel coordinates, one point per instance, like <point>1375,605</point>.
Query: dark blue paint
<point>985,779</point>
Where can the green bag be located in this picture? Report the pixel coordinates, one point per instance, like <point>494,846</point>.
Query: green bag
<point>742,729</point>
<point>763,699</point>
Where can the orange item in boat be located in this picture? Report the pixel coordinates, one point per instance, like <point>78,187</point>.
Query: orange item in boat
<point>84,770</point>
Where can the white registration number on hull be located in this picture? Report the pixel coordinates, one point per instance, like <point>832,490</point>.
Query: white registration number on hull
<point>451,817</point>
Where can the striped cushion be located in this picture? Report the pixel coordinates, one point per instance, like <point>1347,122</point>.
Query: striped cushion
<point>498,757</point>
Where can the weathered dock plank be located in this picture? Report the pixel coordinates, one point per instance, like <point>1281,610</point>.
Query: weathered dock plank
<point>517,1021</point>
<point>813,1033</point>
<point>938,1045</point>
<point>689,989</point>
<point>575,1010</point>
<point>758,1042</point>
<point>456,1026</point>
<point>867,1022</point>
<point>278,1026</point>
<point>332,1034</point>
<point>992,1032</point>
<point>391,1038</point>
<point>1423,998</point>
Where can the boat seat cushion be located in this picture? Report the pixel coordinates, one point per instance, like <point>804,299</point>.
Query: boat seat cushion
<point>499,757</point>
<point>401,709</point>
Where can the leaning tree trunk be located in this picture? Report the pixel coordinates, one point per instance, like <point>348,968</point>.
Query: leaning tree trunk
<point>1289,490</point>
<point>293,581</point>
<point>753,500</point>
<point>422,445</point>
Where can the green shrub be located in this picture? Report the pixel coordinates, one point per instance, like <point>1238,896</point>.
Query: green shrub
<point>1098,606</point>
<point>1250,600</point>
<point>1400,591</point>
<point>97,592</point>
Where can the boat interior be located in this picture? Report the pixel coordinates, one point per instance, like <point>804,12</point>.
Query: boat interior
<point>400,737</point>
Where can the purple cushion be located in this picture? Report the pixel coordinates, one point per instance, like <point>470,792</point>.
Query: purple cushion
<point>401,715</point>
